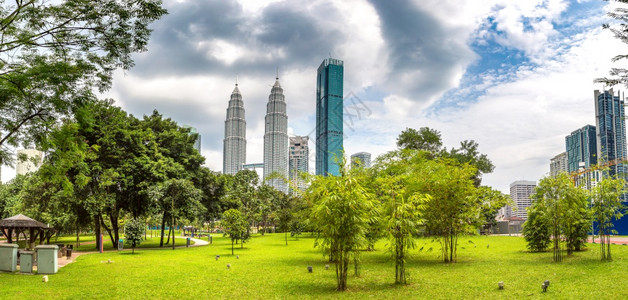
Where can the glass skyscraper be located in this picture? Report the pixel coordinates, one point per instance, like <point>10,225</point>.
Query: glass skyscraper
<point>581,148</point>
<point>611,130</point>
<point>234,151</point>
<point>329,114</point>
<point>276,138</point>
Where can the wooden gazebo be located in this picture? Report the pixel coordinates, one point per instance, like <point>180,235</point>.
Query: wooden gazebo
<point>24,225</point>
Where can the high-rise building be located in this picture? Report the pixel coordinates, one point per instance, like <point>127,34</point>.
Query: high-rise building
<point>581,148</point>
<point>520,192</point>
<point>361,159</point>
<point>197,143</point>
<point>234,151</point>
<point>28,160</point>
<point>276,138</point>
<point>558,164</point>
<point>611,140</point>
<point>329,114</point>
<point>299,160</point>
<point>611,130</point>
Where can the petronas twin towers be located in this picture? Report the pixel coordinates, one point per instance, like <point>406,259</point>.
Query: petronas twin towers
<point>275,137</point>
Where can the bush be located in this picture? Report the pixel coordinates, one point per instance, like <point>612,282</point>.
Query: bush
<point>536,231</point>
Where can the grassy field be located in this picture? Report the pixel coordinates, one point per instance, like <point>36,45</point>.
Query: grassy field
<point>267,268</point>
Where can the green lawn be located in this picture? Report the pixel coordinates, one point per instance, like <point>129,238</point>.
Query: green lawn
<point>269,269</point>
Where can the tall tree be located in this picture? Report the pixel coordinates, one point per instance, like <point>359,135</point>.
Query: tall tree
<point>176,199</point>
<point>235,226</point>
<point>53,54</point>
<point>341,213</point>
<point>607,207</point>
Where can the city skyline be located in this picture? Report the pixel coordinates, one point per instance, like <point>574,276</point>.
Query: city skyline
<point>515,76</point>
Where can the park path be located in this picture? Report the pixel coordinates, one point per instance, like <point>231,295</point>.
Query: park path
<point>614,240</point>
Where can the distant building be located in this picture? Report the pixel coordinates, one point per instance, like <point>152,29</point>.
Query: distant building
<point>276,138</point>
<point>520,192</point>
<point>558,164</point>
<point>197,142</point>
<point>329,117</point>
<point>581,148</point>
<point>28,160</point>
<point>299,160</point>
<point>611,141</point>
<point>361,159</point>
<point>611,130</point>
<point>234,144</point>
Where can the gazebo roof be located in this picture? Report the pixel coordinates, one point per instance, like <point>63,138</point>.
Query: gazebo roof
<point>21,221</point>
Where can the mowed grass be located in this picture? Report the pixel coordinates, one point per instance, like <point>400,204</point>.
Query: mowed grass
<point>268,269</point>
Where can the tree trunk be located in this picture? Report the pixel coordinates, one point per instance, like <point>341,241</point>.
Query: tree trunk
<point>163,226</point>
<point>231,246</point>
<point>97,230</point>
<point>102,222</point>
<point>78,232</point>
<point>173,233</point>
<point>113,217</point>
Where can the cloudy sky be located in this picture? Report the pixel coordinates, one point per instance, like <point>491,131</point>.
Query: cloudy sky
<point>515,76</point>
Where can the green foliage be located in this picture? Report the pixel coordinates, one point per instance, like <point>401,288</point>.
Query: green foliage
<point>176,199</point>
<point>281,272</point>
<point>563,208</point>
<point>402,222</point>
<point>341,213</point>
<point>536,230</point>
<point>608,206</point>
<point>235,226</point>
<point>425,139</point>
<point>491,201</point>
<point>133,232</point>
<point>54,54</point>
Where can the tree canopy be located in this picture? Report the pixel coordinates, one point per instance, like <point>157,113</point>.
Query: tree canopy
<point>53,54</point>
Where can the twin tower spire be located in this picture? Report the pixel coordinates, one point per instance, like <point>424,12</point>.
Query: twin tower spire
<point>275,136</point>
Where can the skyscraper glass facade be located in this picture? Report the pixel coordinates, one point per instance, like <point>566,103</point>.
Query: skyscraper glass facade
<point>276,138</point>
<point>234,151</point>
<point>329,116</point>
<point>581,148</point>
<point>611,130</point>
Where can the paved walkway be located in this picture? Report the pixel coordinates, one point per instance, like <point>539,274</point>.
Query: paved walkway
<point>614,240</point>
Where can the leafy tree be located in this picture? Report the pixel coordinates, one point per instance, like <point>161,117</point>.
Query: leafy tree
<point>429,140</point>
<point>468,153</point>
<point>536,230</point>
<point>340,214</point>
<point>133,231</point>
<point>235,226</point>
<point>607,206</point>
<point>214,187</point>
<point>176,199</point>
<point>491,201</point>
<point>577,219</point>
<point>10,199</point>
<point>53,54</point>
<point>425,139</point>
<point>564,208</point>
<point>454,208</point>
